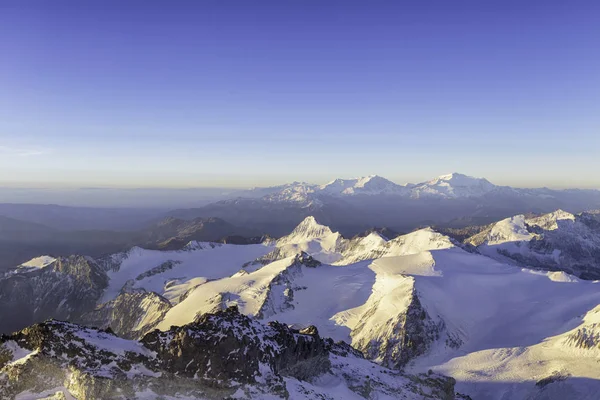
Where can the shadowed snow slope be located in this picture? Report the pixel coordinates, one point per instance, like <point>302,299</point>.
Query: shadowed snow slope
<point>555,241</point>
<point>157,271</point>
<point>503,317</point>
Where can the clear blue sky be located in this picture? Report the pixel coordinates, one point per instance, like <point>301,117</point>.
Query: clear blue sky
<point>245,93</point>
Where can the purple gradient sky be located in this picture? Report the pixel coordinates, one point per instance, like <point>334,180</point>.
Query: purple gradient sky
<point>248,93</point>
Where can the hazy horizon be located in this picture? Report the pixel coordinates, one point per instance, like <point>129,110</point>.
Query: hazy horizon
<point>152,196</point>
<point>522,181</point>
<point>205,94</point>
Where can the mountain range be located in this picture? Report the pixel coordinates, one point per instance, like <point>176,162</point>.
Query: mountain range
<point>449,186</point>
<point>505,310</point>
<point>453,185</point>
<point>354,205</point>
<point>349,206</point>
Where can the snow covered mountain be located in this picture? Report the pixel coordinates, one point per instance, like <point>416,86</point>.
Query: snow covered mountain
<point>368,185</point>
<point>303,193</point>
<point>331,247</point>
<point>453,186</point>
<point>449,186</point>
<point>353,205</point>
<point>446,186</point>
<point>419,302</point>
<point>49,288</point>
<point>70,287</point>
<point>558,241</point>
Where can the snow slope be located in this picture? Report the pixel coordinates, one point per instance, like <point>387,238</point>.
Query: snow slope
<point>503,316</point>
<point>246,290</point>
<point>554,241</point>
<point>331,248</point>
<point>34,264</point>
<point>498,329</point>
<point>172,273</point>
<point>509,230</point>
<point>452,186</point>
<point>310,237</point>
<point>38,262</point>
<point>417,302</point>
<point>307,230</point>
<point>336,298</point>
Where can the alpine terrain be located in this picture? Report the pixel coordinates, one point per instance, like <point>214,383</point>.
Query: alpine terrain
<point>255,200</point>
<point>505,310</point>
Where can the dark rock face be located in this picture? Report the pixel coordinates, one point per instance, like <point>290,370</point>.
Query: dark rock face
<point>556,376</point>
<point>92,364</point>
<point>305,259</point>
<point>130,315</point>
<point>238,239</point>
<point>167,265</point>
<point>64,289</point>
<point>585,337</point>
<point>570,244</point>
<point>173,233</point>
<point>219,355</point>
<point>220,352</point>
<point>385,232</point>
<point>410,334</point>
<point>418,332</point>
<point>301,258</point>
<point>211,348</point>
<point>280,292</point>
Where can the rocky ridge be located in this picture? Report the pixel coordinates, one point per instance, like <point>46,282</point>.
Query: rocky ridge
<point>64,289</point>
<point>557,241</point>
<point>221,355</point>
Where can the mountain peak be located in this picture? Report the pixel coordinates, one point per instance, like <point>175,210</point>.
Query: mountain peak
<point>454,185</point>
<point>449,186</point>
<point>309,221</point>
<point>371,180</point>
<point>459,178</point>
<point>448,177</point>
<point>552,220</point>
<point>366,185</point>
<point>562,214</point>
<point>306,230</point>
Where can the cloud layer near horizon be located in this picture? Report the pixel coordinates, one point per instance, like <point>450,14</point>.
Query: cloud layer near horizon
<point>22,151</point>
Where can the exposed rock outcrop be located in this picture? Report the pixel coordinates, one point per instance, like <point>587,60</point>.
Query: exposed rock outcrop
<point>222,355</point>
<point>64,289</point>
<point>401,338</point>
<point>131,314</point>
<point>558,241</point>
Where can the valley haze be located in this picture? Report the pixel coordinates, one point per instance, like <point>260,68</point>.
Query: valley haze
<point>152,196</point>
